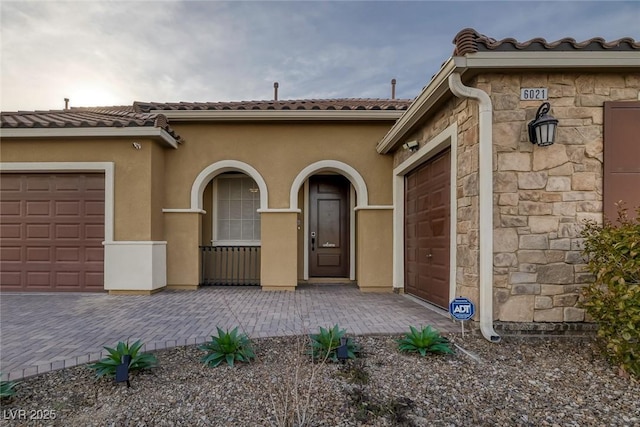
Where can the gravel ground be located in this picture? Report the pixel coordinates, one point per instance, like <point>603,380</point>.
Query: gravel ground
<point>537,382</point>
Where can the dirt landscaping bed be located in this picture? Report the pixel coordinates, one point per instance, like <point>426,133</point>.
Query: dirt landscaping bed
<point>554,382</point>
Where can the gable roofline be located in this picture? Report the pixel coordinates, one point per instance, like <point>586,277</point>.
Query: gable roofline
<point>475,53</point>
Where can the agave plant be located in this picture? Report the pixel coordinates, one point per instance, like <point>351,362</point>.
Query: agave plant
<point>227,346</point>
<point>7,388</point>
<point>324,345</point>
<point>139,361</point>
<point>424,341</point>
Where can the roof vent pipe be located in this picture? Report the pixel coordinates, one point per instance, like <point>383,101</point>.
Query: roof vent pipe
<point>275,91</point>
<point>66,103</point>
<point>393,88</point>
<point>485,178</point>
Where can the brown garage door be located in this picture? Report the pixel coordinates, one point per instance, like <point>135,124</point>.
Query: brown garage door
<point>51,232</point>
<point>426,230</point>
<point>621,157</point>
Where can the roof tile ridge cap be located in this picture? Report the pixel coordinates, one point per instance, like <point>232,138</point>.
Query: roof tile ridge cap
<point>466,41</point>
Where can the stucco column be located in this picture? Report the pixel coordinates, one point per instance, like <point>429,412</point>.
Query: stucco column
<point>374,261</point>
<point>279,253</point>
<point>183,254</point>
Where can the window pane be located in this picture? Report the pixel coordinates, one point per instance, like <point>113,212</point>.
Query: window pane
<point>223,230</point>
<point>235,189</point>
<point>223,209</point>
<point>247,230</point>
<point>235,229</point>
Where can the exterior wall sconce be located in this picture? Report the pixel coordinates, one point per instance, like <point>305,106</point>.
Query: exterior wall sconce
<point>542,130</point>
<point>411,146</point>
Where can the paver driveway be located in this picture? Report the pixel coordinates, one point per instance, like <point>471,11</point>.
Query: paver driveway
<point>47,331</point>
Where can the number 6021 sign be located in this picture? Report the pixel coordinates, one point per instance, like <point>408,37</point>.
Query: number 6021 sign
<point>533,93</point>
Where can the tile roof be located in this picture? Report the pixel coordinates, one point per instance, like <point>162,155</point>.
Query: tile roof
<point>296,104</point>
<point>470,41</point>
<point>117,116</point>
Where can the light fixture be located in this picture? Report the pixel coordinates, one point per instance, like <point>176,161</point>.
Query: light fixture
<point>411,146</point>
<point>542,130</point>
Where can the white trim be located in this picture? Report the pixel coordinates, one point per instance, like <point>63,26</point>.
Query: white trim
<point>330,166</point>
<point>352,233</point>
<point>199,211</point>
<point>374,208</point>
<point>113,132</point>
<point>610,59</point>
<point>279,210</point>
<point>136,242</point>
<point>275,115</point>
<point>448,138</point>
<point>106,167</point>
<point>236,243</point>
<point>305,261</point>
<point>215,169</point>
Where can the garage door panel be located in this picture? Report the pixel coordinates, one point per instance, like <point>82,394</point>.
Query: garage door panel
<point>10,208</point>
<point>67,208</point>
<point>49,241</point>
<point>38,208</point>
<point>38,254</point>
<point>67,231</point>
<point>38,279</point>
<point>10,231</point>
<point>67,279</point>
<point>94,255</point>
<point>67,254</point>
<point>94,208</point>
<point>38,231</point>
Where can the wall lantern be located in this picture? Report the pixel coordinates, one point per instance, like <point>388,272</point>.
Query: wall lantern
<point>542,130</point>
<point>411,146</point>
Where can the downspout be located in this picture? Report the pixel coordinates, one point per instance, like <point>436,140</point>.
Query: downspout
<point>485,177</point>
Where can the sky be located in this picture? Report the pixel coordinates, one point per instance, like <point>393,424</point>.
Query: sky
<point>100,53</point>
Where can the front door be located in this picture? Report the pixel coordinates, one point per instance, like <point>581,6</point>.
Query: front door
<point>328,226</point>
<point>426,230</point>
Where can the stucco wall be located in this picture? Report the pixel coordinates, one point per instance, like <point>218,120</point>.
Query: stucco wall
<point>278,152</point>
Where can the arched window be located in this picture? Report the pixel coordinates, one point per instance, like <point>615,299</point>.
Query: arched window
<point>236,200</point>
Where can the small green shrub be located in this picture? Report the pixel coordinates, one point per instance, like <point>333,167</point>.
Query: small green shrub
<point>324,345</point>
<point>139,361</point>
<point>424,341</point>
<point>7,388</point>
<point>227,346</point>
<point>613,299</point>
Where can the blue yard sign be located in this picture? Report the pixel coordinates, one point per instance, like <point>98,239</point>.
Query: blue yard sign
<point>462,309</point>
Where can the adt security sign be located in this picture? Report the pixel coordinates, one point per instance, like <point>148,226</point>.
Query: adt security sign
<point>462,309</point>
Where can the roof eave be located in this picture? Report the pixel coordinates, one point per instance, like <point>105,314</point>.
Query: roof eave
<point>280,115</point>
<point>81,132</point>
<point>500,60</point>
<point>550,59</point>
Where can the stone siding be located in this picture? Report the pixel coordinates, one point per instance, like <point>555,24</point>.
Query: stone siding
<point>542,195</point>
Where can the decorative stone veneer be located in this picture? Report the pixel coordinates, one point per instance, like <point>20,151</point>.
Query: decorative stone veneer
<point>542,195</point>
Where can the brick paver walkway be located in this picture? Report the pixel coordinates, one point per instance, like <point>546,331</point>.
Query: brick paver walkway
<point>44,332</point>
